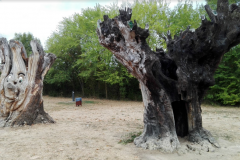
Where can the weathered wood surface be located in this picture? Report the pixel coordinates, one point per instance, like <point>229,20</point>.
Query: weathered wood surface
<point>173,84</point>
<point>21,83</point>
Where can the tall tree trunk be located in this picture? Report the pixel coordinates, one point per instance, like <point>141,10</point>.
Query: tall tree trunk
<point>98,89</point>
<point>106,92</point>
<point>82,86</point>
<point>173,84</point>
<point>159,127</point>
<point>22,83</point>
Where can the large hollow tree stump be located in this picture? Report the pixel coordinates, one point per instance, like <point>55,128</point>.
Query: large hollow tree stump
<point>21,83</point>
<point>173,83</point>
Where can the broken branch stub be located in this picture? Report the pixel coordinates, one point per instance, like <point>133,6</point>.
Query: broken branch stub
<point>21,83</point>
<point>174,83</point>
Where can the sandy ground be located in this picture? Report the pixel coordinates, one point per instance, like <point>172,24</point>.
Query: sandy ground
<point>94,131</point>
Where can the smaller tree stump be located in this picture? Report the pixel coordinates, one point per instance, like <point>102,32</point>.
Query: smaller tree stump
<point>21,83</point>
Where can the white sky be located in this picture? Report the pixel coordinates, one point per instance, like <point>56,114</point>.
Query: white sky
<point>41,18</point>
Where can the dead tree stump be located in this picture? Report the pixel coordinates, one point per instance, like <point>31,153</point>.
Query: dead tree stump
<point>173,83</point>
<point>21,83</point>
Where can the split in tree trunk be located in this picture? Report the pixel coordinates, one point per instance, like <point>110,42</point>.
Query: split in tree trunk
<point>21,84</point>
<point>173,84</point>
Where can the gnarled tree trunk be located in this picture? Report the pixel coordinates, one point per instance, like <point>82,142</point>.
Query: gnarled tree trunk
<point>173,84</point>
<point>21,83</point>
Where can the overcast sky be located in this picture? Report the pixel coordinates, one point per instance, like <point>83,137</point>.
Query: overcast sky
<point>41,17</point>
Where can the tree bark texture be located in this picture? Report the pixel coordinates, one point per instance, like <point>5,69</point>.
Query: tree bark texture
<point>21,83</point>
<point>173,83</point>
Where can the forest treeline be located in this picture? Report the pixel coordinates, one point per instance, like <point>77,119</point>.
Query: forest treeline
<point>90,70</point>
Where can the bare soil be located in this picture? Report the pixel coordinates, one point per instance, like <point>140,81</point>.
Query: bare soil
<point>99,129</point>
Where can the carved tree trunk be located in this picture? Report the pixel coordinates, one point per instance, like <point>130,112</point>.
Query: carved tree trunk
<point>21,83</point>
<point>173,84</point>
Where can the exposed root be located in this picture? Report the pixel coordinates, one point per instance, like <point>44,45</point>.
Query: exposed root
<point>198,148</point>
<point>199,135</point>
<point>166,144</point>
<point>43,118</point>
<point>16,119</point>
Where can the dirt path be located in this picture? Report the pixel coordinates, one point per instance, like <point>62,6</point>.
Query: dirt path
<point>94,131</point>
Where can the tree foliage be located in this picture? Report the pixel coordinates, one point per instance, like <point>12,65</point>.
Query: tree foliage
<point>226,88</point>
<point>81,60</point>
<point>26,38</point>
<point>84,65</point>
<point>93,66</point>
<point>158,15</point>
<point>213,3</point>
<point>227,84</point>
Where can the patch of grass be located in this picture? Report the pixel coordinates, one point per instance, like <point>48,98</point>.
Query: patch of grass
<point>130,138</point>
<point>228,137</point>
<point>74,102</point>
<point>66,103</point>
<point>88,102</point>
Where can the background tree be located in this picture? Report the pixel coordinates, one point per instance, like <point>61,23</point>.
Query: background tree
<point>226,88</point>
<point>213,3</point>
<point>227,80</point>
<point>62,75</point>
<point>99,73</point>
<point>93,67</point>
<point>26,38</point>
<point>161,18</point>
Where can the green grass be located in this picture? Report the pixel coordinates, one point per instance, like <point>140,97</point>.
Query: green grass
<point>228,137</point>
<point>66,103</point>
<point>71,102</point>
<point>130,138</point>
<point>88,102</point>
